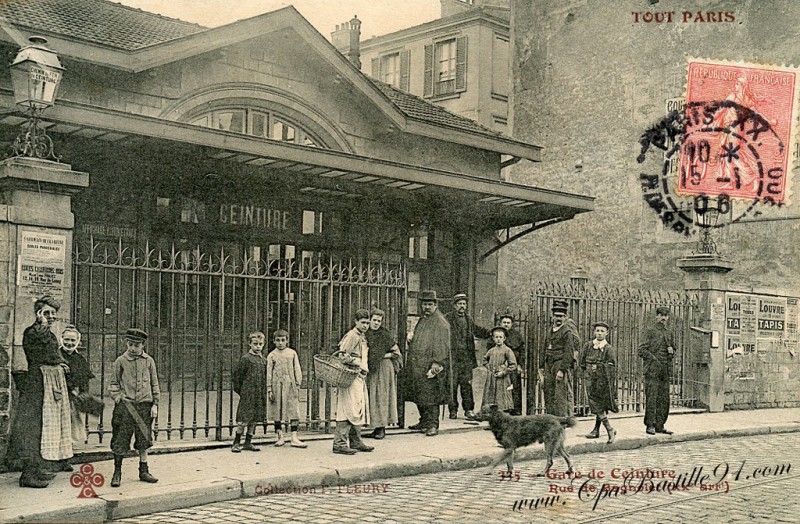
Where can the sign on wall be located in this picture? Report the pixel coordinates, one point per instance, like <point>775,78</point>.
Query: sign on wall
<point>754,322</point>
<point>42,260</point>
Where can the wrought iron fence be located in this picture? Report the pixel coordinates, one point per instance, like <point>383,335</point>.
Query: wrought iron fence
<point>627,312</point>
<point>198,305</point>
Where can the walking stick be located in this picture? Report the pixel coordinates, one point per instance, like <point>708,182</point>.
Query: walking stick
<point>135,415</point>
<point>453,400</point>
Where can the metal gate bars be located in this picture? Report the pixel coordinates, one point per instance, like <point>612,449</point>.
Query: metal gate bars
<point>198,306</point>
<point>628,312</point>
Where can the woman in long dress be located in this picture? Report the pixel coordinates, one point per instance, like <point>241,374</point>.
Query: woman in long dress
<point>384,363</point>
<point>43,427</point>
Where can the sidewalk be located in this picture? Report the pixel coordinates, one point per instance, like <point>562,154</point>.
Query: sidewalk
<point>199,477</point>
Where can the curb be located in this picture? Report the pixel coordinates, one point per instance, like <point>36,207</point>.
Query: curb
<point>119,506</point>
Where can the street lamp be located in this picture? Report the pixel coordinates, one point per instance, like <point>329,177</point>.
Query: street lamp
<point>707,217</point>
<point>35,76</point>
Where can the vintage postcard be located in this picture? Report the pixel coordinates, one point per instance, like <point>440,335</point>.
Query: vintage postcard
<point>399,261</point>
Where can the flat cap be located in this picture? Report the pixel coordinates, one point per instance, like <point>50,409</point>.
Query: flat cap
<point>136,335</point>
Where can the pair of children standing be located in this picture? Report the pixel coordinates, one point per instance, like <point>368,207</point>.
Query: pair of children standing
<point>275,379</point>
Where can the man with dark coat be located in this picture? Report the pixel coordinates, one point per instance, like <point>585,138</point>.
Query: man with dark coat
<point>462,346</point>
<point>657,351</point>
<point>559,358</point>
<point>427,366</point>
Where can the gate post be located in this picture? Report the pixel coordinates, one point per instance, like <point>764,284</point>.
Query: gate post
<point>36,225</point>
<point>706,274</point>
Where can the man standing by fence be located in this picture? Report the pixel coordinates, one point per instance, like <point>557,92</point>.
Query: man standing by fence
<point>657,351</point>
<point>560,355</point>
<point>462,340</point>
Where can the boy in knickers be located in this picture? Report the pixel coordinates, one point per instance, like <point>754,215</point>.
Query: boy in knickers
<point>134,388</point>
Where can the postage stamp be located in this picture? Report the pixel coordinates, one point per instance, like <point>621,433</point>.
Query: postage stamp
<point>740,130</point>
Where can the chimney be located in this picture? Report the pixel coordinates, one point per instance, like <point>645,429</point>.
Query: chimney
<point>346,38</point>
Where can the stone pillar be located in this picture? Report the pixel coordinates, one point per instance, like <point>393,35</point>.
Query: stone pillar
<point>36,225</point>
<point>706,275</point>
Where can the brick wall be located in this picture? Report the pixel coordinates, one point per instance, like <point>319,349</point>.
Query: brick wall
<point>587,82</point>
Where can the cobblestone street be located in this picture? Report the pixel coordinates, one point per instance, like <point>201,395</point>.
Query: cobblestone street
<point>722,480</point>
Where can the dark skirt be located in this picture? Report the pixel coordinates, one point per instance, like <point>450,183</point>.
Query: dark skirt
<point>27,430</point>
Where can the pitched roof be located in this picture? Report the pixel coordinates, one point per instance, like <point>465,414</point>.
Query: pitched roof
<point>417,108</point>
<point>97,21</point>
<point>131,37</point>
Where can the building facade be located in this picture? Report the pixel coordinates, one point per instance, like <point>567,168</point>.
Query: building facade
<point>212,182</point>
<point>460,62</point>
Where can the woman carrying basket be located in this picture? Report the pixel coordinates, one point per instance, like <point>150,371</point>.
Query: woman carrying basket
<point>351,401</point>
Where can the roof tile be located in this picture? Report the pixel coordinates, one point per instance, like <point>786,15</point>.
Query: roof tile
<point>420,109</point>
<point>97,21</point>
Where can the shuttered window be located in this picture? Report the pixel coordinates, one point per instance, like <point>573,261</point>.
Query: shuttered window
<point>393,68</point>
<point>445,67</point>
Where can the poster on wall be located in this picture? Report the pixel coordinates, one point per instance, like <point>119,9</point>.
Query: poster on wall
<point>771,317</point>
<point>42,261</point>
<point>755,322</point>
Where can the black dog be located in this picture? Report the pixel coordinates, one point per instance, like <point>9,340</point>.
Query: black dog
<point>516,432</point>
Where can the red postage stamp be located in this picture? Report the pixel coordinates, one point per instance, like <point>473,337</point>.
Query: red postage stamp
<point>740,131</point>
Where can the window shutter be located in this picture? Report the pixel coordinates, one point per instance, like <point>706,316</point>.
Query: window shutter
<point>461,63</point>
<point>427,85</point>
<point>405,70</point>
<point>376,68</point>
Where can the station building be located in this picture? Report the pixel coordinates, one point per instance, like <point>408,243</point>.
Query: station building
<point>212,182</point>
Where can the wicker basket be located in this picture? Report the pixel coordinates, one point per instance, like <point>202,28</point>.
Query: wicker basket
<point>328,368</point>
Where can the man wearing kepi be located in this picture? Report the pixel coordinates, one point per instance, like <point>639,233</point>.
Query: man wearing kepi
<point>657,350</point>
<point>462,354</point>
<point>134,389</point>
<point>427,367</point>
<point>562,344</point>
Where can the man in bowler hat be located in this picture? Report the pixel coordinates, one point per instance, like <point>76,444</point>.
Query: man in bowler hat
<point>428,367</point>
<point>559,358</point>
<point>657,350</point>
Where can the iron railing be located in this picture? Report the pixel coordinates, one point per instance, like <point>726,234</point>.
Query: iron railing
<point>198,305</point>
<point>627,312</point>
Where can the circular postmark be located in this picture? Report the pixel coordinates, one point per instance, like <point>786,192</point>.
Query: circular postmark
<point>715,153</point>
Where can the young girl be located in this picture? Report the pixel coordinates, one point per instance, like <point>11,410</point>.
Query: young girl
<point>77,381</point>
<point>250,382</point>
<point>500,363</point>
<point>284,377</point>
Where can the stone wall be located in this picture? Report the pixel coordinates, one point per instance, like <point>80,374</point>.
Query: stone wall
<point>588,80</point>
<point>8,248</point>
<point>764,379</point>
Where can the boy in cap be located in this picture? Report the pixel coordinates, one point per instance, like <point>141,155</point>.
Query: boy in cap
<point>134,389</point>
<point>599,363</point>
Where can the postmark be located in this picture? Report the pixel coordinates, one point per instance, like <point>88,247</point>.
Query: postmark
<point>725,151</point>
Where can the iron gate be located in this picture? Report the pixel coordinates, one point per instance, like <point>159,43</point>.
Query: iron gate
<point>198,307</point>
<point>628,312</point>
